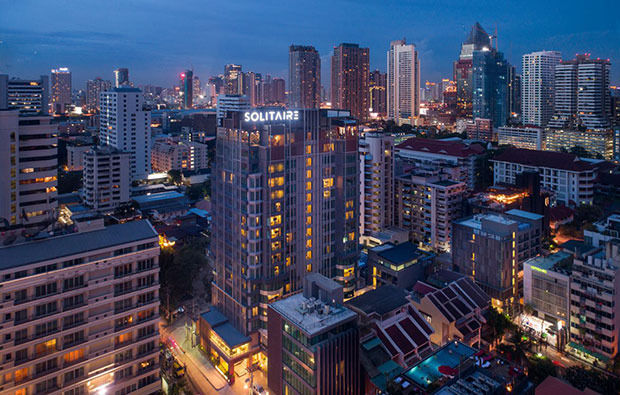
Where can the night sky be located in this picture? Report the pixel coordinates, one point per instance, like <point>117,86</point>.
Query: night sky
<point>157,39</point>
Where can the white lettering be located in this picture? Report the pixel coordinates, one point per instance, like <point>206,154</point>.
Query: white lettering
<point>267,116</point>
<point>254,116</point>
<point>271,114</point>
<point>246,117</point>
<point>278,116</point>
<point>296,115</point>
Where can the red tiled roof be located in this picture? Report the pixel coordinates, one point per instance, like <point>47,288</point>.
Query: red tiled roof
<point>554,160</point>
<point>423,288</point>
<point>554,386</point>
<point>450,148</point>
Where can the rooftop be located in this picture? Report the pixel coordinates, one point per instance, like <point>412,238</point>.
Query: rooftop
<point>312,321</point>
<point>525,214</point>
<point>224,329</point>
<point>382,300</point>
<point>125,89</point>
<point>399,253</point>
<point>441,147</point>
<point>75,243</point>
<point>550,159</point>
<point>548,262</point>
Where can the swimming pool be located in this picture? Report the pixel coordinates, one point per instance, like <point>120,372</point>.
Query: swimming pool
<point>426,372</point>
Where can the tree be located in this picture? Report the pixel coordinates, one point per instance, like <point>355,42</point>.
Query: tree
<point>540,369</point>
<point>520,346</point>
<point>582,378</point>
<point>498,323</point>
<point>69,181</point>
<point>175,176</point>
<point>179,268</point>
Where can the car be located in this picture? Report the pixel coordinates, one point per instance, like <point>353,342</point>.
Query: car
<point>179,370</point>
<point>258,389</point>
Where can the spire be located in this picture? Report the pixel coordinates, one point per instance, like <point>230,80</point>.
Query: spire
<point>478,36</point>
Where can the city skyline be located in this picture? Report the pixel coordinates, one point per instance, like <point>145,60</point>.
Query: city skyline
<point>157,55</point>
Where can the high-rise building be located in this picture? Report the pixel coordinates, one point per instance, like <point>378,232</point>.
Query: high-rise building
<point>27,96</point>
<point>278,91</point>
<point>403,82</point>
<point>514,95</point>
<point>231,103</point>
<point>233,79</point>
<point>94,88</point>
<point>106,178</point>
<point>28,168</point>
<point>490,80</point>
<point>61,90</point>
<point>378,93</point>
<point>477,40</point>
<point>537,86</point>
<point>491,249</point>
<point>304,77</point>
<point>582,96</point>
<point>313,342</point>
<point>251,87</point>
<point>376,155</point>
<point>121,77</point>
<point>480,129</point>
<point>126,125</point>
<point>81,311</point>
<point>196,88</point>
<point>187,86</point>
<point>285,204</point>
<point>350,74</point>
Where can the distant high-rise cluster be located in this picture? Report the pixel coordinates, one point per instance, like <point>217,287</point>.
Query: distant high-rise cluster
<point>94,88</point>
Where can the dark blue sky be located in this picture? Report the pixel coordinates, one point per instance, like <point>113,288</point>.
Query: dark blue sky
<point>157,39</point>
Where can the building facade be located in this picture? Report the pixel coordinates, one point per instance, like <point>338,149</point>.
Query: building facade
<point>599,143</point>
<point>233,79</point>
<point>28,168</point>
<point>231,103</point>
<point>525,137</point>
<point>285,204</point>
<point>166,156</point>
<point>537,86</point>
<point>304,78</point>
<point>403,82</point>
<point>376,155</point>
<point>571,178</point>
<point>81,312</point>
<point>378,93</point>
<point>490,80</point>
<point>106,178</point>
<point>313,342</point>
<point>121,77</point>
<point>491,249</point>
<point>94,88</point>
<point>350,73</point>
<point>27,96</point>
<point>60,98</point>
<point>126,125</point>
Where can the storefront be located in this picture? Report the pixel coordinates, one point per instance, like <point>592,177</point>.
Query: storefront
<point>581,352</point>
<point>227,348</point>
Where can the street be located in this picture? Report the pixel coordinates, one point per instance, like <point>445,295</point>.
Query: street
<point>201,374</point>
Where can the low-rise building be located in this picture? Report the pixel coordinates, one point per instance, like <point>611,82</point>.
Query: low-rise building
<point>571,178</point>
<point>526,137</point>
<point>604,231</point>
<point>313,341</point>
<point>75,156</point>
<point>546,290</point>
<point>596,142</point>
<point>481,129</point>
<point>401,265</point>
<point>169,155</point>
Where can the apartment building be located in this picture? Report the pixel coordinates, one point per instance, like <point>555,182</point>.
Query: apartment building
<point>106,179</point>
<point>169,155</point>
<point>571,178</point>
<point>595,315</point>
<point>285,204</point>
<point>442,155</point>
<point>425,205</point>
<point>491,249</point>
<point>376,155</point>
<point>28,168</point>
<point>80,312</point>
<point>526,137</point>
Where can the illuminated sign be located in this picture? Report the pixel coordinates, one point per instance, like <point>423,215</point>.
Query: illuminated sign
<point>538,269</point>
<point>266,116</point>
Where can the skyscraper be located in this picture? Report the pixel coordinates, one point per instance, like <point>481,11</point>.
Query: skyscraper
<point>187,84</point>
<point>514,94</point>
<point>27,96</point>
<point>403,82</point>
<point>121,77</point>
<point>537,86</point>
<point>490,80</point>
<point>106,178</point>
<point>285,204</point>
<point>378,93</point>
<point>251,87</point>
<point>233,79</point>
<point>582,96</point>
<point>304,76</point>
<point>61,90</point>
<point>350,74</point>
<point>125,125</point>
<point>197,89</point>
<point>94,88</point>
<point>477,40</point>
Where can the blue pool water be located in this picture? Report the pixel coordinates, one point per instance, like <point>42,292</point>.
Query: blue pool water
<point>426,372</point>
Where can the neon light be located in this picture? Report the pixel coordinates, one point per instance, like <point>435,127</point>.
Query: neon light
<point>538,269</point>
<point>268,116</point>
